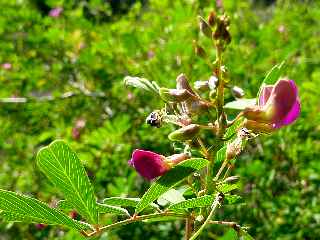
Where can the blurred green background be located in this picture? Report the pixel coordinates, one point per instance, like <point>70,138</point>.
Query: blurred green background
<point>68,72</point>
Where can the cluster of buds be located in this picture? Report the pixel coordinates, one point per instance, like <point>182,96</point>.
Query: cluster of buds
<point>216,27</point>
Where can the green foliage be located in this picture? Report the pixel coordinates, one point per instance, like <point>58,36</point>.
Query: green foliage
<point>63,168</point>
<point>280,174</point>
<point>19,208</point>
<point>169,180</point>
<point>202,201</point>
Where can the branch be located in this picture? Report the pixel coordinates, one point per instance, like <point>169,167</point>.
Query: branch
<point>131,220</point>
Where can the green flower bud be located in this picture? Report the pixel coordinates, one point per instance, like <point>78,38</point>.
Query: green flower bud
<point>232,179</point>
<point>185,133</point>
<point>237,92</point>
<point>205,27</point>
<point>174,95</point>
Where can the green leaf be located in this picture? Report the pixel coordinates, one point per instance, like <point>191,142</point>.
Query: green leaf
<point>64,169</point>
<point>65,205</point>
<point>171,196</point>
<point>121,201</point>
<point>232,130</point>
<point>241,104</point>
<point>225,187</point>
<point>141,83</point>
<point>221,154</point>
<point>244,235</point>
<point>126,202</point>
<point>274,74</point>
<point>20,208</point>
<point>232,199</point>
<point>104,208</point>
<point>170,179</point>
<point>202,201</point>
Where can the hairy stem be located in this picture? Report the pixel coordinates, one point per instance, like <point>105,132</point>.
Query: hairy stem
<point>189,224</point>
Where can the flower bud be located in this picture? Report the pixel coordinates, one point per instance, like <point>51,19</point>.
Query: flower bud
<point>177,158</point>
<point>198,50</point>
<point>213,82</point>
<point>212,19</point>
<point>232,179</point>
<point>205,27</point>
<point>185,133</point>
<point>174,95</point>
<point>201,85</point>
<point>237,92</point>
<point>151,165</point>
<point>148,164</point>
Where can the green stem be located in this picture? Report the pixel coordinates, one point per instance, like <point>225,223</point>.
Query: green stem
<point>131,220</point>
<point>217,202</point>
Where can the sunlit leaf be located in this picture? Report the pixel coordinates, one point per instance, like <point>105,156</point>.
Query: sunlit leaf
<point>170,179</point>
<point>202,201</point>
<point>20,208</point>
<point>141,83</point>
<point>64,169</point>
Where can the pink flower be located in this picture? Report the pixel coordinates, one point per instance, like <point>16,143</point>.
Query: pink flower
<point>278,105</point>
<point>7,66</point>
<point>55,12</point>
<point>151,165</point>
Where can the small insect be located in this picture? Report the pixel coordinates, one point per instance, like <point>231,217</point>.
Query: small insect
<point>247,134</point>
<point>155,118</point>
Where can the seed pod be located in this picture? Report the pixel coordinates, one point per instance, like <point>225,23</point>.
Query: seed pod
<point>237,92</point>
<point>174,95</point>
<point>212,19</point>
<point>185,133</point>
<point>205,27</point>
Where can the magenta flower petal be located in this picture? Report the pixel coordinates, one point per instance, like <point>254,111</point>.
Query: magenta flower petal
<point>291,116</point>
<point>282,100</point>
<point>265,94</point>
<point>55,12</point>
<point>279,105</point>
<point>148,164</point>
